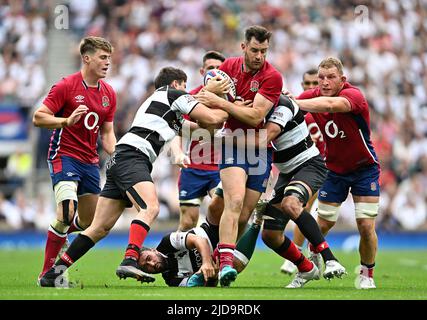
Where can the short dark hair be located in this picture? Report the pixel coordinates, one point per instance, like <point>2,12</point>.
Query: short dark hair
<point>310,72</point>
<point>91,44</point>
<point>213,55</point>
<point>258,32</point>
<point>167,75</point>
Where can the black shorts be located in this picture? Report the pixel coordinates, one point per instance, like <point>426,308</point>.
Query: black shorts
<point>127,167</point>
<point>312,172</point>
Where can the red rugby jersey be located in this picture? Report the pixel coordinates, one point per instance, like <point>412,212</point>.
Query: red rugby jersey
<point>80,140</point>
<point>200,160</point>
<point>347,135</point>
<point>267,82</point>
<point>315,133</point>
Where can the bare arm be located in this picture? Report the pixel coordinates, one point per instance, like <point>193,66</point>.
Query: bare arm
<point>45,118</point>
<point>201,244</point>
<point>108,137</point>
<point>325,104</point>
<point>177,153</point>
<point>264,136</point>
<point>251,116</point>
<point>207,116</point>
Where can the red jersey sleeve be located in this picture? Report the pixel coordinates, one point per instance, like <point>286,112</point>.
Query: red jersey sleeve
<point>356,99</point>
<point>56,97</point>
<point>272,87</point>
<point>308,94</point>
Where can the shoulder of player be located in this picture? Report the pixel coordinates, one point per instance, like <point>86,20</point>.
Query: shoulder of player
<point>348,87</point>
<point>232,63</point>
<point>174,94</point>
<point>107,86</point>
<point>270,74</point>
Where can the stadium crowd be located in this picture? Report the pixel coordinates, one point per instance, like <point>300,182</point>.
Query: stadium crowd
<point>383,45</point>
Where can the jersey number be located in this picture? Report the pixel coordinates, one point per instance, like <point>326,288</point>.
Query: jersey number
<point>94,125</point>
<point>332,130</point>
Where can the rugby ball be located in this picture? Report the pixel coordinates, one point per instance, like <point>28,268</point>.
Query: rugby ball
<point>231,94</point>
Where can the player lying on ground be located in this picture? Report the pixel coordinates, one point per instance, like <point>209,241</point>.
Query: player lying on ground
<point>186,258</point>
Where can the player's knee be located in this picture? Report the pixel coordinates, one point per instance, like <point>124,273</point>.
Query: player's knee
<point>366,228</point>
<point>325,225</point>
<point>270,238</point>
<point>66,211</point>
<point>291,206</point>
<point>236,203</point>
<point>66,199</point>
<point>153,209</point>
<point>188,218</point>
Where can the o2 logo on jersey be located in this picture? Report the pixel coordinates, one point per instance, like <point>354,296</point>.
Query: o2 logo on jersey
<point>332,131</point>
<point>94,122</point>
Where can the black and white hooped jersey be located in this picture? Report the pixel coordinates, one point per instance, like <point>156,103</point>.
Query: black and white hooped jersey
<point>293,146</point>
<point>183,262</point>
<point>158,120</point>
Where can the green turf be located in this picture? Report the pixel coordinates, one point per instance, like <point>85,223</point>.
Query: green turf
<point>399,275</point>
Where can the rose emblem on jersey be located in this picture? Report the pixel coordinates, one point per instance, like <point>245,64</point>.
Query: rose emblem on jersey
<point>105,101</point>
<point>254,86</point>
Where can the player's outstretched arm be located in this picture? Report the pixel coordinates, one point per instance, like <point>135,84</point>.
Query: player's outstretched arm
<point>108,138</point>
<point>325,104</point>
<point>43,117</point>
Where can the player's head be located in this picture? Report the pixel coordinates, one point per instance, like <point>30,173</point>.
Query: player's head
<point>309,79</point>
<point>96,55</point>
<point>255,46</point>
<point>211,60</point>
<point>331,76</point>
<point>170,76</point>
<point>152,261</point>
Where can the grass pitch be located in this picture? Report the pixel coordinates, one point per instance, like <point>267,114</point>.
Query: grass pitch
<point>399,275</point>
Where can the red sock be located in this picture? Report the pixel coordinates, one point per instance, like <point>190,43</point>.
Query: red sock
<point>293,254</point>
<point>54,243</point>
<point>137,233</point>
<point>367,271</point>
<point>319,248</point>
<point>226,254</point>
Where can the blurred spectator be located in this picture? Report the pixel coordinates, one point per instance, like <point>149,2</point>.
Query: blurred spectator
<point>18,168</point>
<point>409,204</point>
<point>23,42</point>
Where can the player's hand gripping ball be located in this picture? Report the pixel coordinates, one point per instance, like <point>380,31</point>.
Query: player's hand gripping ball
<point>213,73</point>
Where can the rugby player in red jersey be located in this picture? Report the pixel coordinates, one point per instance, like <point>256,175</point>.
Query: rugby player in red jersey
<point>342,114</point>
<point>243,180</point>
<point>79,108</point>
<point>201,176</point>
